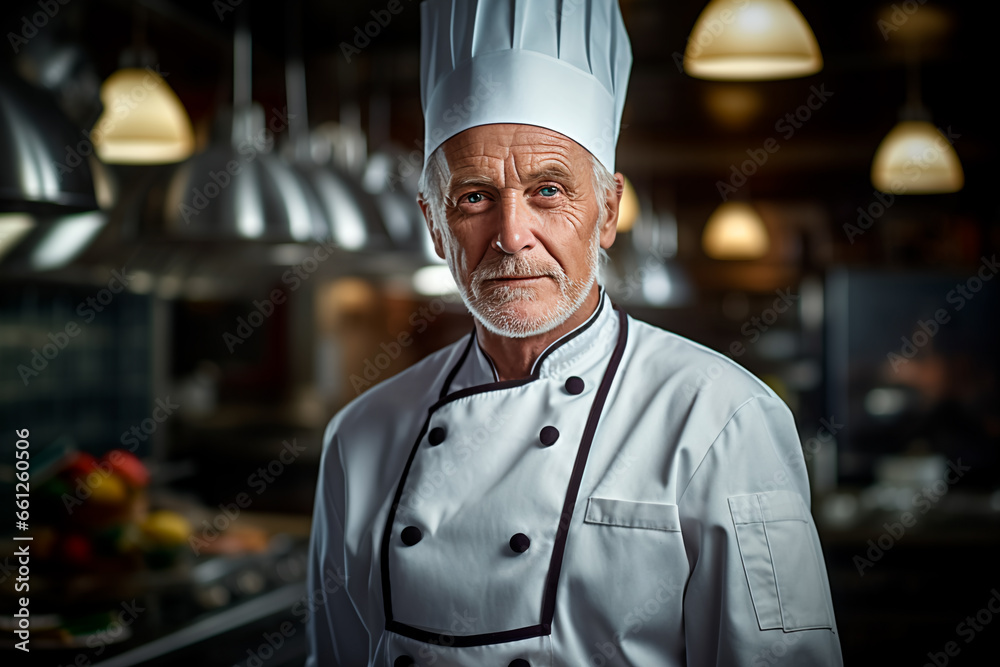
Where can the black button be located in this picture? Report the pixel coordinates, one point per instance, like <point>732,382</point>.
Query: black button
<point>520,543</point>
<point>549,435</point>
<point>519,662</point>
<point>575,385</point>
<point>405,661</point>
<point>436,436</point>
<point>411,535</point>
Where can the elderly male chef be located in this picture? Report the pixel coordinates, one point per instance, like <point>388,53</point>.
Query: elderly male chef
<point>565,485</point>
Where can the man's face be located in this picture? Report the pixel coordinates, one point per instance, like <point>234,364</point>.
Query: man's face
<point>523,225</point>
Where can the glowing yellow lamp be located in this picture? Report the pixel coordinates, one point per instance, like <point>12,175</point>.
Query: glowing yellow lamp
<point>915,158</point>
<point>751,40</point>
<point>735,231</point>
<point>143,122</point>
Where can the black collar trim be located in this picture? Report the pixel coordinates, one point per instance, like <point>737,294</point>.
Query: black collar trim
<point>454,371</point>
<point>506,384</point>
<point>537,366</point>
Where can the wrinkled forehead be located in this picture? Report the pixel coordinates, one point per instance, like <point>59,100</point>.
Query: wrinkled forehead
<point>508,153</point>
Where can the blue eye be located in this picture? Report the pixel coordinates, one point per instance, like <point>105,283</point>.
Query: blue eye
<point>474,198</point>
<point>549,191</point>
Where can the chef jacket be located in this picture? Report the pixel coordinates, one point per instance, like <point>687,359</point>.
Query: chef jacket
<point>638,500</point>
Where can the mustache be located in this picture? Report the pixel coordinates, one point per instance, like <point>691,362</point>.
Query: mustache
<point>509,266</point>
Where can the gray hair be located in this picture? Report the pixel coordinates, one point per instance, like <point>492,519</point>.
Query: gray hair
<point>436,174</point>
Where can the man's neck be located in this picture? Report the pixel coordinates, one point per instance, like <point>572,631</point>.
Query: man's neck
<point>513,357</point>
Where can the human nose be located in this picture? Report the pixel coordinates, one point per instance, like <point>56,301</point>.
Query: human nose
<point>516,223</point>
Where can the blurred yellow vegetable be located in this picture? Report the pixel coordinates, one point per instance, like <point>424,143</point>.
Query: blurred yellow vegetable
<point>108,490</point>
<point>166,528</point>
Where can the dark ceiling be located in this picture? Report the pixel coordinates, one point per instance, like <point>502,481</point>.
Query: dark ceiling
<point>668,139</point>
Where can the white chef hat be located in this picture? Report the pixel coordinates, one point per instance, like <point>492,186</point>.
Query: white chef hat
<point>558,64</point>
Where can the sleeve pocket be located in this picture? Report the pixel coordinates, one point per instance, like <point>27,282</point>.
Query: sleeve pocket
<point>779,549</point>
<point>632,514</point>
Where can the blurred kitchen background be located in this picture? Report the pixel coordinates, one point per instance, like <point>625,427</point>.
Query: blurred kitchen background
<point>209,243</point>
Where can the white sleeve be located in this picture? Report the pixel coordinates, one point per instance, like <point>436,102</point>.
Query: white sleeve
<point>337,636</point>
<point>758,593</point>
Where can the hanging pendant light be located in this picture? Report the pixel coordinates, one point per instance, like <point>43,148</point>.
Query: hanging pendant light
<point>915,158</point>
<point>346,209</point>
<point>45,242</point>
<point>735,231</point>
<point>223,193</point>
<point>41,175</point>
<point>396,199</point>
<point>238,189</point>
<point>758,40</point>
<point>389,175</point>
<point>40,170</point>
<point>143,121</point>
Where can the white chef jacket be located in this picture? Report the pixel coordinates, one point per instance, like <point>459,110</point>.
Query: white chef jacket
<point>639,500</point>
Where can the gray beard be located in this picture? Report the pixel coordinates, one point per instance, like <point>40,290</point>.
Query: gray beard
<point>491,305</point>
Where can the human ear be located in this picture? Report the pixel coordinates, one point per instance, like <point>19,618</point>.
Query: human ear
<point>429,221</point>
